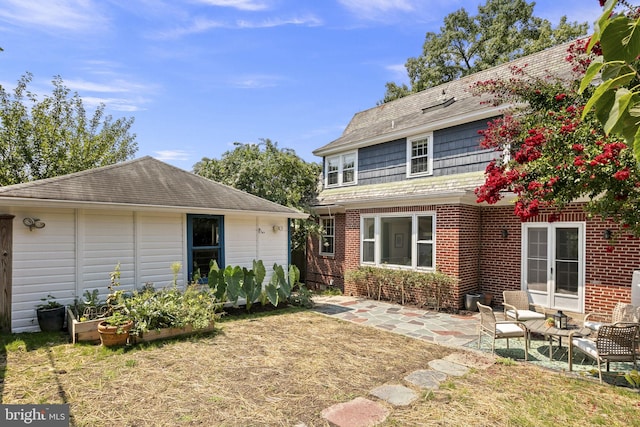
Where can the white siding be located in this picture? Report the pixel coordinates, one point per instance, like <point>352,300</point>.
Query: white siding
<point>248,239</point>
<point>79,248</point>
<point>161,242</point>
<point>105,239</point>
<point>43,263</point>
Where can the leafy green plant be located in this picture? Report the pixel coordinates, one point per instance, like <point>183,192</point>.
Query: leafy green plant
<point>633,378</point>
<point>172,308</point>
<point>48,303</point>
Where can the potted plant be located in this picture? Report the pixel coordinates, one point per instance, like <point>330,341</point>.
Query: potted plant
<point>114,329</point>
<point>50,314</point>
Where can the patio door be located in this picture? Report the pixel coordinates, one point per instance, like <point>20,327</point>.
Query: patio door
<point>553,264</point>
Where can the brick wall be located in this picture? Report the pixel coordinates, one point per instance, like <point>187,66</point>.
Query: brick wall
<point>470,246</point>
<point>323,269</point>
<point>457,249</point>
<point>608,274</point>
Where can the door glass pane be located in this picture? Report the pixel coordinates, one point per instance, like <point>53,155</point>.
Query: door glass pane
<point>537,259</point>
<point>395,242</point>
<point>567,253</point>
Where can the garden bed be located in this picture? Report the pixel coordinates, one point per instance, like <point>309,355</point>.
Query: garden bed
<point>164,333</point>
<point>86,331</point>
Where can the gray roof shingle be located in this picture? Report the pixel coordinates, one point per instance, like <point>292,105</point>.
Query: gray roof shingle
<point>406,113</point>
<point>144,182</point>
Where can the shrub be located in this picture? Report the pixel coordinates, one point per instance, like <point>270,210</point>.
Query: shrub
<point>433,289</point>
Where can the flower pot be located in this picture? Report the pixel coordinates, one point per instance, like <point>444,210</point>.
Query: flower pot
<point>111,336</point>
<point>51,319</point>
<point>471,301</point>
<point>486,299</point>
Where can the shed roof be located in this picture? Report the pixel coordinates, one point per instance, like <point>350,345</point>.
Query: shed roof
<point>143,182</point>
<point>400,117</point>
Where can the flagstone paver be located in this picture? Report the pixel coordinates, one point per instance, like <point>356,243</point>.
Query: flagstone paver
<point>395,394</point>
<point>359,412</point>
<point>426,379</point>
<point>449,368</point>
<point>440,328</point>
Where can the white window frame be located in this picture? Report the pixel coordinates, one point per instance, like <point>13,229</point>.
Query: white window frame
<point>429,156</point>
<point>415,241</point>
<point>341,169</point>
<point>324,235</point>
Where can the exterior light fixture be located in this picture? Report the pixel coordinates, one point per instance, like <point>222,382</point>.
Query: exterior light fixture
<point>32,223</point>
<point>607,234</point>
<point>504,233</point>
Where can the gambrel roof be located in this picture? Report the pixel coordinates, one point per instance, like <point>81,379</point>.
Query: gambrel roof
<point>143,182</point>
<point>439,107</point>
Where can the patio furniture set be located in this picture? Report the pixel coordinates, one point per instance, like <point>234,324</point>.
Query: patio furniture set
<point>604,338</point>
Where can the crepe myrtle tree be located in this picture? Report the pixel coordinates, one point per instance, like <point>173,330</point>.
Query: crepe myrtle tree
<point>552,154</point>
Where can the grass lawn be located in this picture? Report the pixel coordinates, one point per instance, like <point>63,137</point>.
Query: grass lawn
<point>283,369</point>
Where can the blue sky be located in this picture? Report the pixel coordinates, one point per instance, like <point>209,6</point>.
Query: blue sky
<point>199,75</point>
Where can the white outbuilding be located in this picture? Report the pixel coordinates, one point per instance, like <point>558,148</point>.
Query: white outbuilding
<point>64,235</point>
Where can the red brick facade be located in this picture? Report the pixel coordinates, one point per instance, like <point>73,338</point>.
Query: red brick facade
<point>470,245</point>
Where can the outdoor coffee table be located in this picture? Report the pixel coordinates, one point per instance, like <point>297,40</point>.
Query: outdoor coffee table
<point>539,326</point>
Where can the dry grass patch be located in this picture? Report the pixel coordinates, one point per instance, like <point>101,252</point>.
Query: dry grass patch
<point>280,370</point>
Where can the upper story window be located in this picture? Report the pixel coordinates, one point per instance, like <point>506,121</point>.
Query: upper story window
<point>420,155</point>
<point>328,236</point>
<point>341,169</point>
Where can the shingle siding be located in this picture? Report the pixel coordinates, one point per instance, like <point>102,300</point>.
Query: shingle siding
<point>457,149</point>
<point>382,163</point>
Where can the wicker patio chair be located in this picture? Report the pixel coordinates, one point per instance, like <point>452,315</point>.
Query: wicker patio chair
<point>614,343</point>
<point>622,312</point>
<point>517,306</point>
<point>500,329</point>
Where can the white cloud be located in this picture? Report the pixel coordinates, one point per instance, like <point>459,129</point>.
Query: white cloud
<point>65,15</point>
<point>250,5</point>
<point>399,72</point>
<point>255,81</point>
<point>374,9</point>
<point>171,155</point>
<point>309,21</point>
<point>202,25</point>
<point>114,104</point>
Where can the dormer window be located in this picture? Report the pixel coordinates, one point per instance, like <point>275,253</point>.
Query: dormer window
<point>341,169</point>
<point>420,155</point>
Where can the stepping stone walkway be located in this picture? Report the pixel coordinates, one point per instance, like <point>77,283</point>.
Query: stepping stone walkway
<point>362,412</point>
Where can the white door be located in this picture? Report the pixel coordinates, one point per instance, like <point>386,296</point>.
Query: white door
<point>553,264</point>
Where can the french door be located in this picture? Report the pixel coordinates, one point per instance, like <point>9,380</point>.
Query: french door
<point>553,264</point>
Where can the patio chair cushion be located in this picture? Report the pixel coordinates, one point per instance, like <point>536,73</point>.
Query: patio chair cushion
<point>586,346</point>
<point>508,330</point>
<point>525,315</point>
<point>594,326</point>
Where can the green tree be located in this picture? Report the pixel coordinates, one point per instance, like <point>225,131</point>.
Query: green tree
<point>53,136</point>
<point>501,31</point>
<point>264,170</point>
<point>616,101</point>
<point>552,156</point>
